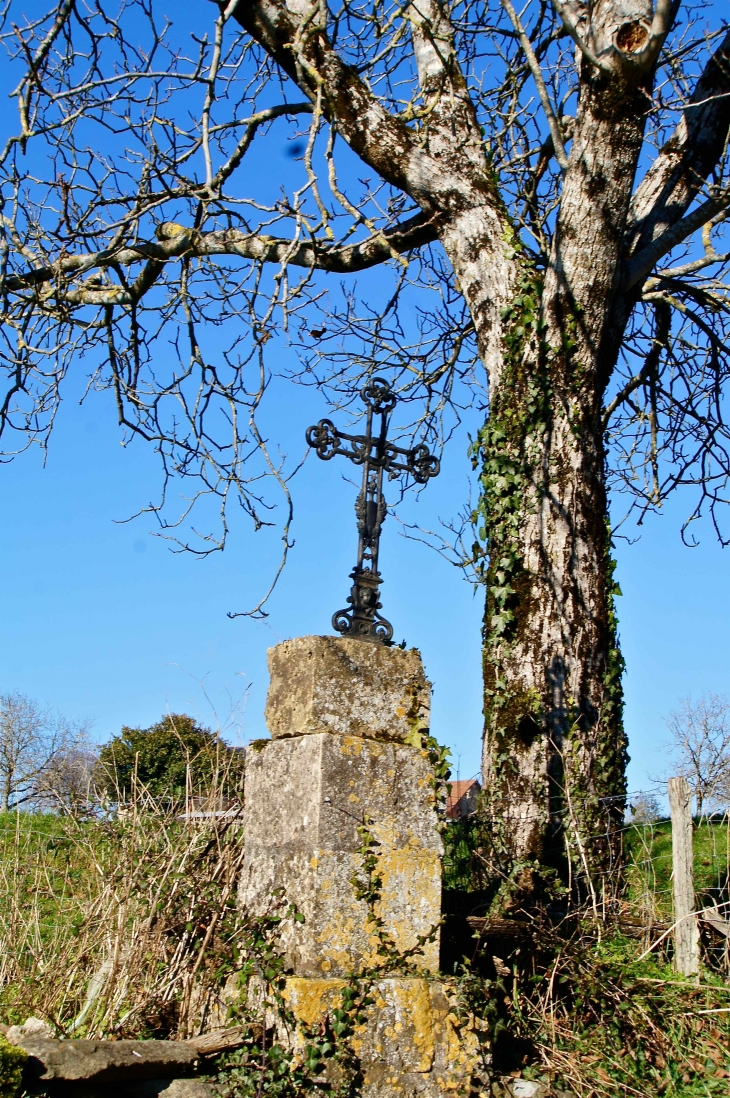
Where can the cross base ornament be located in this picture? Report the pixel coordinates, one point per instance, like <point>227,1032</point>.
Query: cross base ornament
<point>362,617</point>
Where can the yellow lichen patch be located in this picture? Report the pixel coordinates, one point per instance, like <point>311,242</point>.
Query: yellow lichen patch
<point>413,1003</point>
<point>338,940</point>
<point>310,999</point>
<point>354,745</point>
<point>411,890</point>
<point>456,1038</point>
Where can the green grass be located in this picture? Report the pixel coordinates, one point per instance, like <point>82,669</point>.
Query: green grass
<point>46,870</point>
<point>648,848</point>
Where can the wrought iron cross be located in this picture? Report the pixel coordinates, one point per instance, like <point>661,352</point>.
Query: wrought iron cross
<point>362,618</point>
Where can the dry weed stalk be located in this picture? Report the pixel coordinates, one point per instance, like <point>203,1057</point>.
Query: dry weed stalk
<point>122,923</point>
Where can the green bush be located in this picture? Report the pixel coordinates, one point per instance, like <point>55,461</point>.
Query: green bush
<point>12,1062</point>
<point>161,757</point>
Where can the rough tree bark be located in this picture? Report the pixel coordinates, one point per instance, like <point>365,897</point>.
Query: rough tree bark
<point>555,749</point>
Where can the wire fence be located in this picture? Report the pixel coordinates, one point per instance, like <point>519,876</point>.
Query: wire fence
<point>636,893</point>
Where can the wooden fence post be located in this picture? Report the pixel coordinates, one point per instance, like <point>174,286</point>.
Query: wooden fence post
<point>686,931</point>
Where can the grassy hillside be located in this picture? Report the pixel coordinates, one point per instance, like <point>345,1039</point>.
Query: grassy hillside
<point>649,854</point>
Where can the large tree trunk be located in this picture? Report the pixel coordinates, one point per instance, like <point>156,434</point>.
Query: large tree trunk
<point>554,746</point>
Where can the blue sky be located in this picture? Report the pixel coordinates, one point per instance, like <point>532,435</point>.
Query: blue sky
<point>103,622</point>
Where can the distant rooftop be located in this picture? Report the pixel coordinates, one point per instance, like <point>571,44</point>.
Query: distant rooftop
<point>462,800</point>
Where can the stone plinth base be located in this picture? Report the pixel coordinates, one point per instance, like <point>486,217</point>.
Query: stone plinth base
<point>340,821</point>
<point>413,1044</point>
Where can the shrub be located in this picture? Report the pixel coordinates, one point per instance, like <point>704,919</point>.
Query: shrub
<point>170,757</point>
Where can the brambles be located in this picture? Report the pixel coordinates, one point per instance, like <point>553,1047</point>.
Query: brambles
<point>588,1002</point>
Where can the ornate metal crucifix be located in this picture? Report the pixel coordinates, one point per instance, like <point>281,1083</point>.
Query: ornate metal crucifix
<point>376,455</point>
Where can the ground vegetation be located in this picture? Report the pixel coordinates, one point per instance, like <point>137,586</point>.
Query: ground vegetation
<point>131,929</point>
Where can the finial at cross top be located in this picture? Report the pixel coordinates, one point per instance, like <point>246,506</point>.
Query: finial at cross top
<point>362,619</point>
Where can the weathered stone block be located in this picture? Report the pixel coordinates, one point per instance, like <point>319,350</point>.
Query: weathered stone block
<point>351,687</point>
<point>414,1041</point>
<point>167,1088</point>
<point>305,799</point>
<point>105,1061</point>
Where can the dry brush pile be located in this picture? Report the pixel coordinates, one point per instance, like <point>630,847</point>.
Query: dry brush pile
<point>118,925</point>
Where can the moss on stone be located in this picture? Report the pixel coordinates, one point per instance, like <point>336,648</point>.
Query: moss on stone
<point>12,1062</point>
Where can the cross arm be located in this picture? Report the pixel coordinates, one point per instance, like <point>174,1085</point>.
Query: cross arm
<point>418,461</point>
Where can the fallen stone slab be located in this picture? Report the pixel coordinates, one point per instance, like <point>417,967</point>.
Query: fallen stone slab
<point>168,1088</point>
<point>106,1061</point>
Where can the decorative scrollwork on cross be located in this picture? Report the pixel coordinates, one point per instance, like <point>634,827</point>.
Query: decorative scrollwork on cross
<point>362,618</point>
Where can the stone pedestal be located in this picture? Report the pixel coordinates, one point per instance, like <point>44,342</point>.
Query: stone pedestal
<point>413,1043</point>
<point>305,799</point>
<point>346,718</point>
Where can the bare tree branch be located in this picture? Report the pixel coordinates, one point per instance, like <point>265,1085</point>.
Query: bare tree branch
<point>663,325</point>
<point>686,160</point>
<point>643,263</point>
<point>554,125</point>
<point>176,240</point>
<point>574,18</point>
<point>304,53</point>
